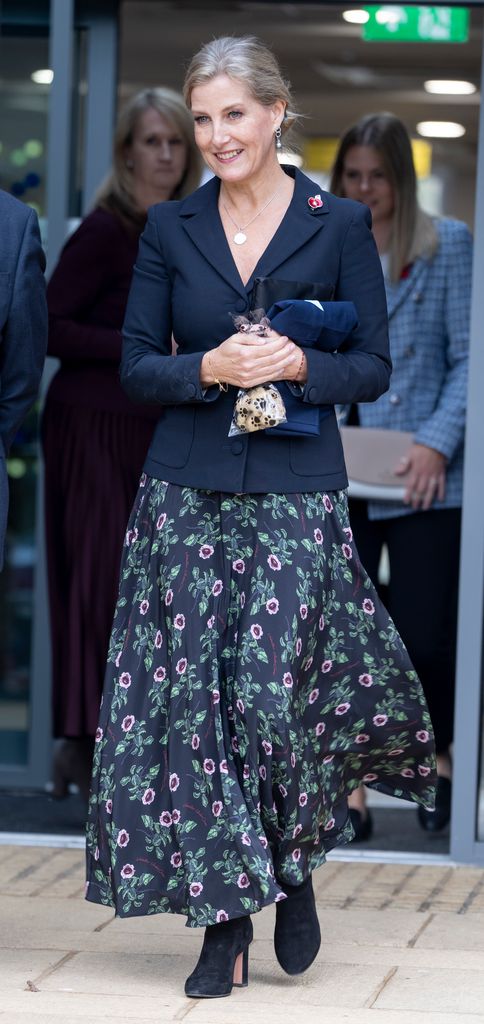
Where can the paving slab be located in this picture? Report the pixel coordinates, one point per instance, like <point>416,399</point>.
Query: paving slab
<point>429,990</point>
<point>49,923</point>
<point>93,1009</point>
<point>453,932</point>
<point>19,966</point>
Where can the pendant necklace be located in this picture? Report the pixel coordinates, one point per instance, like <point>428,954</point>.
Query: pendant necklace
<point>240,237</point>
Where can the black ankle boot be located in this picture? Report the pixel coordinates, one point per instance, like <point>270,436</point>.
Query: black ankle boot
<point>297,935</point>
<point>435,821</point>
<point>224,960</point>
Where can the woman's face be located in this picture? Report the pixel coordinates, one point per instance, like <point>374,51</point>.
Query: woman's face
<point>233,131</point>
<point>364,178</point>
<point>158,153</point>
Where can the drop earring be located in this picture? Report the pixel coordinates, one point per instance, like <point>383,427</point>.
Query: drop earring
<point>278,133</point>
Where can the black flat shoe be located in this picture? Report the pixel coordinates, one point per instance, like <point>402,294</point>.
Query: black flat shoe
<point>224,960</point>
<point>435,821</point>
<point>362,826</point>
<point>297,935</point>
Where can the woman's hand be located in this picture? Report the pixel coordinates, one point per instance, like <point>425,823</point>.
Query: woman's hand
<point>245,360</point>
<point>424,472</point>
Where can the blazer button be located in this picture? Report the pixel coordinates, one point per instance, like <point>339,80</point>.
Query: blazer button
<point>395,399</point>
<point>191,390</point>
<point>241,306</point>
<point>409,351</point>
<point>237,447</point>
<point>312,395</point>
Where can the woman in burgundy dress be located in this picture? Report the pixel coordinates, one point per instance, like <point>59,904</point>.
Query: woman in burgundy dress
<point>94,439</point>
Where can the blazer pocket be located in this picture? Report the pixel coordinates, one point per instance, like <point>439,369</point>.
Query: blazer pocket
<point>173,438</point>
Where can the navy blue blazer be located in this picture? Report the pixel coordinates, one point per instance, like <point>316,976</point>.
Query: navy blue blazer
<point>23,326</point>
<point>186,283</point>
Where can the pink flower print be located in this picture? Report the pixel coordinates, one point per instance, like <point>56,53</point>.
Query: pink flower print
<point>246,771</point>
<point>125,680</point>
<point>117,660</point>
<point>313,696</point>
<point>362,737</point>
<point>320,728</point>
<point>127,871</point>
<point>175,816</point>
<point>142,480</point>
<point>342,708</point>
<point>166,819</point>
<point>209,766</point>
<point>99,734</point>
<point>321,623</point>
<point>109,805</point>
<point>211,622</point>
<point>123,837</point>
<point>293,760</point>
<point>327,503</point>
<point>380,719</point>
<point>423,769</point>
<point>263,772</point>
<point>395,752</point>
<point>160,522</point>
<point>148,796</point>
<point>173,782</point>
<point>272,606</point>
<point>235,745</point>
<point>267,746</point>
<point>240,705</point>
<point>280,896</point>
<point>196,889</point>
<point>274,563</point>
<point>168,597</point>
<point>318,536</point>
<point>179,621</point>
<point>238,565</point>
<point>206,551</point>
<point>246,839</point>
<point>223,767</point>
<point>370,777</point>
<point>348,533</point>
<point>131,536</point>
<point>256,631</point>
<point>263,842</point>
<point>366,679</point>
<point>347,551</point>
<point>296,855</point>
<point>297,830</point>
<point>143,608</point>
<point>159,674</point>
<point>217,588</point>
<point>243,881</point>
<point>303,799</point>
<point>303,611</point>
<point>327,665</point>
<point>298,646</point>
<point>287,680</point>
<point>217,808</point>
<point>221,916</point>
<point>215,696</point>
<point>329,825</point>
<point>181,666</point>
<point>328,759</point>
<point>158,639</point>
<point>368,606</point>
<point>96,853</point>
<point>422,736</point>
<point>195,741</point>
<point>308,664</point>
<point>127,723</point>
<point>175,860</point>
<point>408,773</point>
<point>315,202</point>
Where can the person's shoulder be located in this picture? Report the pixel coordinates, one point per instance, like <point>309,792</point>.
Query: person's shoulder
<point>449,231</point>
<point>13,210</point>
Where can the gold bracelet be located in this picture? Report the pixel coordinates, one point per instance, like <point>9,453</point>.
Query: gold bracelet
<point>221,384</point>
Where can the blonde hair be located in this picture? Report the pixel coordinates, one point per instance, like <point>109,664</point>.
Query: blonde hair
<point>249,60</point>
<point>413,230</point>
<point>116,193</point>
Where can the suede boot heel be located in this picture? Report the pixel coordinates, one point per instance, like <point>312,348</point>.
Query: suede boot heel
<point>224,960</point>
<point>297,935</point>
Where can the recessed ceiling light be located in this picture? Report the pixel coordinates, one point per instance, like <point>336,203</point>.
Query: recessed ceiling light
<point>44,76</point>
<point>440,129</point>
<point>356,17</point>
<point>447,87</point>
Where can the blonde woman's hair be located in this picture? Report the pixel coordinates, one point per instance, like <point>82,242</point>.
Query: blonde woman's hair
<point>116,193</point>
<point>413,231</point>
<point>249,60</point>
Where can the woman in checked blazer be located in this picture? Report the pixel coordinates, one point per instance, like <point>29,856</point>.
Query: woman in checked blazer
<point>427,268</point>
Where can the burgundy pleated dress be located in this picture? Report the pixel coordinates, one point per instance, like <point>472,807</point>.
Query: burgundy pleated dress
<point>94,443</point>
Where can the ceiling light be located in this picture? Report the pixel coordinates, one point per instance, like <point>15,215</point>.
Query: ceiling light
<point>446,87</point>
<point>356,17</point>
<point>44,76</point>
<point>441,129</point>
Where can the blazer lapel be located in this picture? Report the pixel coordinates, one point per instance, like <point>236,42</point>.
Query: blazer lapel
<point>201,220</point>
<point>412,285</point>
<point>299,224</point>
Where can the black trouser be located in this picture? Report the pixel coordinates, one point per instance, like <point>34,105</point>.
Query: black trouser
<point>421,597</point>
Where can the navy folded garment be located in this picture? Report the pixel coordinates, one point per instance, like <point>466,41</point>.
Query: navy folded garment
<point>312,325</point>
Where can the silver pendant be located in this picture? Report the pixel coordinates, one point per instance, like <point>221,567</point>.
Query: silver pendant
<point>240,238</point>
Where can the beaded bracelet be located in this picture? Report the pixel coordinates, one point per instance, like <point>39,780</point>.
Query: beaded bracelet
<point>300,364</point>
<point>221,384</point>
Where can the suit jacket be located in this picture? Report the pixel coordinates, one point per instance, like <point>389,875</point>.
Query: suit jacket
<point>23,326</point>
<point>429,315</point>
<point>185,281</point>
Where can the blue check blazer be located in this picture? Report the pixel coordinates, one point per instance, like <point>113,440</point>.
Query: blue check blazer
<point>429,313</point>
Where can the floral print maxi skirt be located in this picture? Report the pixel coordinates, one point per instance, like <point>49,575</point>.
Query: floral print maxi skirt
<point>254,679</point>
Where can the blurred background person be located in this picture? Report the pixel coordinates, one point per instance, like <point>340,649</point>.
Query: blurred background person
<point>426,263</point>
<point>94,439</point>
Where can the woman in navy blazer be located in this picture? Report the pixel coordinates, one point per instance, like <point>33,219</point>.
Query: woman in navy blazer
<point>254,678</point>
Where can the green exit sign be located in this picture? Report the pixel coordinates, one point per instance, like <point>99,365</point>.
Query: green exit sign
<point>395,22</point>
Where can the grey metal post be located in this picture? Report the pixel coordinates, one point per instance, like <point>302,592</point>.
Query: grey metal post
<point>58,151</point>
<point>464,845</point>
<point>101,102</point>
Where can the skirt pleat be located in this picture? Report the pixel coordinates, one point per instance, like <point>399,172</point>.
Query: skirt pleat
<point>254,680</point>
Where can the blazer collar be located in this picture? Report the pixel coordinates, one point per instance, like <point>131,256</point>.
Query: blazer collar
<point>201,220</point>
<point>412,285</point>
